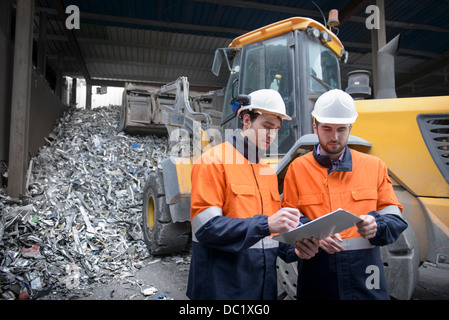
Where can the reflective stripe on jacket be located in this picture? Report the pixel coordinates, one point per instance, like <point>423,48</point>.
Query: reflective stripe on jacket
<point>359,184</point>
<point>231,199</point>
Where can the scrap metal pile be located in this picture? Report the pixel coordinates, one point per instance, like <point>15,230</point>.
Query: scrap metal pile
<point>79,222</point>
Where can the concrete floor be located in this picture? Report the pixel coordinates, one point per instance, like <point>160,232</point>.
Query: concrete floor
<point>168,277</point>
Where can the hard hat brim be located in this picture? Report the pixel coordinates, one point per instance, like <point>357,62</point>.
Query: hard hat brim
<point>336,120</point>
<point>283,116</point>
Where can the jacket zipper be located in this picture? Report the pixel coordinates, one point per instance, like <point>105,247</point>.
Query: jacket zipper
<point>258,189</point>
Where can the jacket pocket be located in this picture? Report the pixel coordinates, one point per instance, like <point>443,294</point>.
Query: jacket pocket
<point>243,202</point>
<point>275,196</point>
<point>275,202</point>
<point>310,199</point>
<point>365,194</point>
<point>242,190</point>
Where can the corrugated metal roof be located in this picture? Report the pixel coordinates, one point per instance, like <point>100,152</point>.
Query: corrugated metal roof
<point>157,41</point>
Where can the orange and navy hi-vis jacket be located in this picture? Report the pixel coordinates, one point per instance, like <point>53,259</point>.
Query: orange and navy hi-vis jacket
<point>231,200</point>
<point>359,184</point>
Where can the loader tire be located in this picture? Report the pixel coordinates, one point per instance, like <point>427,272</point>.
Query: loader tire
<point>161,235</point>
<point>121,120</point>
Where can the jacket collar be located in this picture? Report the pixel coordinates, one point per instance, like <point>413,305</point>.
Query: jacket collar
<point>248,149</point>
<point>325,161</point>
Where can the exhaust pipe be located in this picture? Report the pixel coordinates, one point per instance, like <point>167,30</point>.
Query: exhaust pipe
<point>386,88</point>
<point>358,84</point>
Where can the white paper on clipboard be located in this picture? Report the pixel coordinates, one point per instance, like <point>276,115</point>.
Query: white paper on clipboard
<point>321,227</point>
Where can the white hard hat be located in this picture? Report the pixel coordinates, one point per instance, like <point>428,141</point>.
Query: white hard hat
<point>266,100</point>
<point>335,106</point>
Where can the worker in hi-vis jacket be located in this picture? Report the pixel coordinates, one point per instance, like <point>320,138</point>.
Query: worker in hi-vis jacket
<point>235,207</point>
<point>348,265</point>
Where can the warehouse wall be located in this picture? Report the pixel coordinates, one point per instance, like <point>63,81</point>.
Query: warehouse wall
<point>45,109</point>
<point>45,106</point>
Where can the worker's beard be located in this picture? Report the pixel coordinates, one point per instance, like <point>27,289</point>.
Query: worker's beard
<point>337,148</point>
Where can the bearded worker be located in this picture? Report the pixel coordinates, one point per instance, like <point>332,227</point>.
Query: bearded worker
<point>332,177</point>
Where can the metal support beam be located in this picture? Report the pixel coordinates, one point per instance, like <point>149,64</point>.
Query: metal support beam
<point>88,96</point>
<point>351,9</point>
<point>42,44</point>
<point>6,84</point>
<point>73,96</point>
<point>5,17</point>
<point>59,79</point>
<point>20,104</point>
<point>378,40</point>
<point>425,70</point>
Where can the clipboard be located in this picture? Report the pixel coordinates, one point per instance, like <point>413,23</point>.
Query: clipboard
<point>320,228</point>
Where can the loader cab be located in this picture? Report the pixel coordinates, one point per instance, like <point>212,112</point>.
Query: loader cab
<point>296,63</point>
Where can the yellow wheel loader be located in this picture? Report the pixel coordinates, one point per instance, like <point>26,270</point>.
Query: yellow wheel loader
<point>300,58</point>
